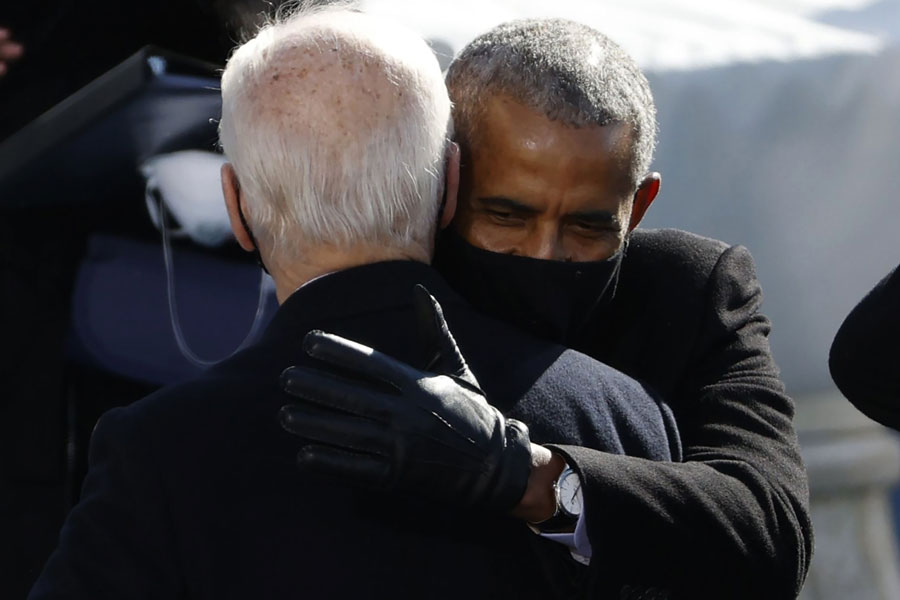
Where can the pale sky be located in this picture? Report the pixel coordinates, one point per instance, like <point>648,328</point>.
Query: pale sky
<point>660,34</point>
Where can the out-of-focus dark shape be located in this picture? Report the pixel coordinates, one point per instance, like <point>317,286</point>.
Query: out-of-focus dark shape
<point>69,43</point>
<point>865,355</point>
<point>86,149</point>
<point>10,50</point>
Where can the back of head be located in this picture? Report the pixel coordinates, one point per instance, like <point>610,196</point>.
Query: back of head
<point>336,123</point>
<point>563,69</point>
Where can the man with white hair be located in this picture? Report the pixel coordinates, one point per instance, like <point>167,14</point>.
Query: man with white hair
<point>336,125</point>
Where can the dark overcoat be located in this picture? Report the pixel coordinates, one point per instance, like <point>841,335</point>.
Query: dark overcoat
<point>732,520</point>
<point>194,492</point>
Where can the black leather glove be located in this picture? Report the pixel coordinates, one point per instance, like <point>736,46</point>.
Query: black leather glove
<point>383,423</point>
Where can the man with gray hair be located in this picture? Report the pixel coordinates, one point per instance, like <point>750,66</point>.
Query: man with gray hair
<point>557,129</point>
<point>336,125</point>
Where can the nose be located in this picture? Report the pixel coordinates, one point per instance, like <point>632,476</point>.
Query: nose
<point>547,244</point>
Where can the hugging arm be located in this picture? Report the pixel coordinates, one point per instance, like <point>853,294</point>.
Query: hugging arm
<point>731,520</point>
<point>379,422</point>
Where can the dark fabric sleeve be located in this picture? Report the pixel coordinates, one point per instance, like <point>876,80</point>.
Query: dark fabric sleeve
<point>561,407</point>
<point>865,354</point>
<point>732,520</point>
<point>116,543</point>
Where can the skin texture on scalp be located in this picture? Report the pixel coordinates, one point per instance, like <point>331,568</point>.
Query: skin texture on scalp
<point>306,93</point>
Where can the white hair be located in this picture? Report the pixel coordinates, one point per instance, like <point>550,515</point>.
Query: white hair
<point>337,124</point>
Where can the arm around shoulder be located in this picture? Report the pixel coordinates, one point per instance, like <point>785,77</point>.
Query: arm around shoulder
<point>732,520</point>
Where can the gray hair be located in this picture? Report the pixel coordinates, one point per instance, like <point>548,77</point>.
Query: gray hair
<point>336,123</point>
<point>566,70</point>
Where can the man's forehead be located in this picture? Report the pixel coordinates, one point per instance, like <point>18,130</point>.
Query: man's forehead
<point>503,112</point>
<point>531,141</point>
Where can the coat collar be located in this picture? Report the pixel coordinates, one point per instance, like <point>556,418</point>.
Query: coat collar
<point>365,289</point>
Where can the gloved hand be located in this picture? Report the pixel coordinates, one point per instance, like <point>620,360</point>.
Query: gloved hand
<point>385,424</point>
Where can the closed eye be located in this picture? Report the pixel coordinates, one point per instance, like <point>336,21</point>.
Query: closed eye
<point>592,225</point>
<point>594,228</point>
<point>503,214</point>
<point>506,212</point>
<point>595,224</point>
<point>506,208</point>
<point>504,218</point>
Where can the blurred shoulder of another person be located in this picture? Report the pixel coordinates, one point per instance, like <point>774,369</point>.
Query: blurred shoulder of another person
<point>864,355</point>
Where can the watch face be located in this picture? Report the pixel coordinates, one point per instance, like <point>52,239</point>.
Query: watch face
<point>570,498</point>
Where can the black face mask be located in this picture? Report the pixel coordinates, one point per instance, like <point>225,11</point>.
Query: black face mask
<point>548,298</point>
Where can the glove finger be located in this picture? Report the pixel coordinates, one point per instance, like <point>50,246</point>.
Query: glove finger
<point>358,468</point>
<point>338,393</point>
<point>336,429</point>
<point>358,359</point>
<point>436,339</point>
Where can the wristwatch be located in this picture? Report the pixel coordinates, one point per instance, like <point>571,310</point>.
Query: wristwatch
<point>569,503</point>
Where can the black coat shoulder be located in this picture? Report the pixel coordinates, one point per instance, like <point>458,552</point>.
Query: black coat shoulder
<point>666,257</point>
<point>674,290</point>
<point>685,319</point>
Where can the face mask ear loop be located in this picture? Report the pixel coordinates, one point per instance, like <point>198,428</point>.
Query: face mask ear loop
<point>603,298</point>
<point>181,342</point>
<point>249,231</point>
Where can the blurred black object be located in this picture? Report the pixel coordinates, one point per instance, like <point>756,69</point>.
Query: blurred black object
<point>865,359</point>
<point>86,148</point>
<point>67,44</point>
<point>49,203</point>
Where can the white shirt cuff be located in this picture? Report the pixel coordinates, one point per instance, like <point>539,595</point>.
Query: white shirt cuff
<point>577,541</point>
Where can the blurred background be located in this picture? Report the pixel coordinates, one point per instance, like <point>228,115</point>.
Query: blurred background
<point>779,130</point>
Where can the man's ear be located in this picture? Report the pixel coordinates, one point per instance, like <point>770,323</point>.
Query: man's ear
<point>643,197</point>
<point>234,203</point>
<point>451,185</point>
